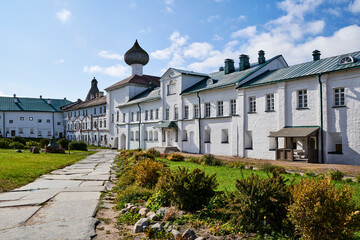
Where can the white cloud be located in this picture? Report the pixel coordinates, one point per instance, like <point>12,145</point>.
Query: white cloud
<point>146,30</point>
<point>212,18</point>
<point>110,55</point>
<point>169,2</point>
<point>198,50</point>
<point>354,6</point>
<point>245,32</point>
<point>169,9</point>
<point>113,71</point>
<point>59,61</point>
<point>217,37</point>
<point>64,15</point>
<point>168,5</point>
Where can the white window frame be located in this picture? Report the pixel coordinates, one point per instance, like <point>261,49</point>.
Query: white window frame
<point>232,106</point>
<point>167,113</point>
<point>171,88</point>
<point>186,112</point>
<point>220,108</point>
<point>196,111</point>
<point>176,112</point>
<point>339,97</point>
<point>207,108</point>
<point>302,98</point>
<point>270,102</point>
<point>252,104</point>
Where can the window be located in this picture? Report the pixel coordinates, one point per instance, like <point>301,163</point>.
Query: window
<point>186,112</point>
<point>132,117</point>
<point>248,140</point>
<point>196,111</point>
<point>58,123</point>
<point>252,104</point>
<point>39,133</point>
<point>100,112</point>
<point>151,114</point>
<point>117,116</point>
<point>95,138</point>
<point>150,135</point>
<point>224,136</point>
<point>94,111</point>
<point>21,131</point>
<point>31,131</point>
<point>146,114</point>
<point>47,120</point>
<point>132,136</point>
<point>302,99</point>
<point>171,88</point>
<point>207,136</point>
<point>339,97</point>
<point>86,112</point>
<point>39,120</point>
<point>270,102</point>
<point>105,123</point>
<point>112,118</point>
<point>176,112</point>
<point>184,137</point>
<point>11,121</point>
<point>21,118</point>
<point>124,117</point>
<point>335,142</point>
<point>220,108</point>
<point>49,133</point>
<point>156,135</point>
<point>104,111</point>
<point>207,110</point>
<point>137,116</point>
<point>101,124</point>
<point>167,114</point>
<point>31,118</point>
<point>232,106</point>
<point>157,113</point>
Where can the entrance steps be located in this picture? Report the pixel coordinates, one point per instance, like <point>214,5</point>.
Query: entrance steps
<point>167,149</point>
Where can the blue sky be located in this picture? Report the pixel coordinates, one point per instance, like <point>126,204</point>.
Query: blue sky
<point>54,48</point>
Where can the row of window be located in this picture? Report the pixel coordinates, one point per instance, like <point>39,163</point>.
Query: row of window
<point>84,125</point>
<point>148,136</point>
<point>88,139</point>
<point>11,121</point>
<point>31,131</point>
<point>85,112</point>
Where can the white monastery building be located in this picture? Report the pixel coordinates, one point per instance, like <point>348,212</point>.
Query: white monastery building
<point>267,110</point>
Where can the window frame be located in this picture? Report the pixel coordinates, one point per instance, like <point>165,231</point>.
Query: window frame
<point>232,106</point>
<point>220,108</point>
<point>196,111</point>
<point>207,109</point>
<point>270,102</point>
<point>186,112</point>
<point>252,104</point>
<point>341,97</point>
<point>302,102</point>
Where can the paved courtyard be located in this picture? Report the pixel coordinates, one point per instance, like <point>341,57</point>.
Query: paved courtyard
<point>60,205</point>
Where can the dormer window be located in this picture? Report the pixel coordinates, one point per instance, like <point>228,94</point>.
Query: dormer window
<point>346,59</point>
<point>171,88</point>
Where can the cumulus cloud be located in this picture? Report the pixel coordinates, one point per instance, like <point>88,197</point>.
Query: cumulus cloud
<point>64,15</point>
<point>110,55</point>
<point>59,61</point>
<point>212,18</point>
<point>113,71</point>
<point>245,32</point>
<point>354,6</point>
<point>168,5</point>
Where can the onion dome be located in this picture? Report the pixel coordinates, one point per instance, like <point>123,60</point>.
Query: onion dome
<point>136,55</point>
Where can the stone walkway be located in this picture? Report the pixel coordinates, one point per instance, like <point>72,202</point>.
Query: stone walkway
<point>60,205</point>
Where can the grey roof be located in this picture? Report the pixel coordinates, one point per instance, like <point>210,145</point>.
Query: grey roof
<point>191,72</point>
<point>32,104</point>
<point>145,96</point>
<point>306,69</point>
<point>220,79</point>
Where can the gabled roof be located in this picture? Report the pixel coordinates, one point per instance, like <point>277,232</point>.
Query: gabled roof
<point>306,69</point>
<point>32,104</point>
<point>191,72</point>
<point>145,96</point>
<point>80,105</point>
<point>136,79</point>
<point>220,79</point>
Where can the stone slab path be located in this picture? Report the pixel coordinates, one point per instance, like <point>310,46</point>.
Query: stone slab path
<point>59,205</point>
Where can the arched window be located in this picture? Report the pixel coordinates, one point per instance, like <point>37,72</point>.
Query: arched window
<point>156,135</point>
<point>171,88</point>
<point>207,136</point>
<point>150,135</point>
<point>132,136</point>
<point>184,137</point>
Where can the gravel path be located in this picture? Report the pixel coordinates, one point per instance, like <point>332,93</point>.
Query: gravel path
<point>60,205</point>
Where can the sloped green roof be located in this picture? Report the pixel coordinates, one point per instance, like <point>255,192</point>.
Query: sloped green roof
<point>220,79</point>
<point>167,124</point>
<point>191,72</point>
<point>32,104</point>
<point>312,68</point>
<point>145,96</point>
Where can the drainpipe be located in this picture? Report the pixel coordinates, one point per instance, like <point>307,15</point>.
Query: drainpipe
<point>321,119</point>
<point>197,94</point>
<point>139,124</point>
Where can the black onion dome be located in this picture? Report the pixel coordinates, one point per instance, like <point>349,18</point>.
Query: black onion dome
<point>136,55</point>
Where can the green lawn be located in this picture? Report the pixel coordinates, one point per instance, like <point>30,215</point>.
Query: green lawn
<point>18,169</point>
<point>227,176</point>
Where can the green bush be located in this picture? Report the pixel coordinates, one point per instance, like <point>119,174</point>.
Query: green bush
<point>43,142</point>
<point>133,194</point>
<point>193,160</point>
<point>259,204</point>
<point>320,211</point>
<point>16,145</point>
<point>236,164</point>
<point>348,180</point>
<point>335,175</point>
<point>147,172</point>
<point>309,174</point>
<point>188,190</point>
<point>4,143</point>
<point>156,201</point>
<point>270,168</point>
<point>152,151</point>
<point>176,157</point>
<point>64,143</point>
<point>357,178</point>
<point>20,140</point>
<point>140,155</point>
<point>209,159</point>
<point>78,145</point>
<point>31,144</point>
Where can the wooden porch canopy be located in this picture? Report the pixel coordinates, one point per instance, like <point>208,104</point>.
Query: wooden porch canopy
<point>295,132</point>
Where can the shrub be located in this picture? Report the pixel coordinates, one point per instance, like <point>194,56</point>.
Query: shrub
<point>239,165</point>
<point>63,142</point>
<point>296,174</point>
<point>269,168</point>
<point>148,172</point>
<point>320,211</point>
<point>139,156</point>
<point>78,145</point>
<point>309,174</point>
<point>43,142</point>
<point>20,140</point>
<point>164,155</point>
<point>4,143</point>
<point>209,159</point>
<point>133,194</point>
<point>128,218</point>
<point>152,151</point>
<point>156,201</point>
<point>193,160</point>
<point>31,144</point>
<point>176,157</point>
<point>357,178</point>
<point>335,175</point>
<point>188,190</point>
<point>259,205</point>
<point>16,145</point>
<point>348,180</point>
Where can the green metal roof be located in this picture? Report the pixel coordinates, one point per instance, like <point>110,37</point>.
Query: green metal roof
<point>220,79</point>
<point>167,124</point>
<point>312,68</point>
<point>145,96</point>
<point>191,72</point>
<point>31,104</point>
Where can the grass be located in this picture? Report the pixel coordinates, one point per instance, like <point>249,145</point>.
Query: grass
<point>227,176</point>
<point>96,147</point>
<point>18,169</point>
